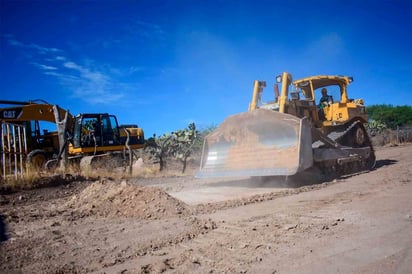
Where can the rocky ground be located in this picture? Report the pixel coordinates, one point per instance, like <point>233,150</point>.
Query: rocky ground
<point>358,224</point>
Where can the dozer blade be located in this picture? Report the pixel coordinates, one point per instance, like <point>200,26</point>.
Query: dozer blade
<point>257,143</point>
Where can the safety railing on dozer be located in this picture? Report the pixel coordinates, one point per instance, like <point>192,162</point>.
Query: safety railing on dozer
<point>13,151</point>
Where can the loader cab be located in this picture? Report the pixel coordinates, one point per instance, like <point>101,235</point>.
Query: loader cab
<point>42,135</point>
<point>95,130</point>
<point>38,136</point>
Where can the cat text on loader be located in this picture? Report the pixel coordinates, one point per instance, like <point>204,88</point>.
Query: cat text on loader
<point>291,134</point>
<point>89,136</point>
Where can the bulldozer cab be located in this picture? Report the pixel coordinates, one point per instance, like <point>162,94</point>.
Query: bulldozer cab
<point>336,107</point>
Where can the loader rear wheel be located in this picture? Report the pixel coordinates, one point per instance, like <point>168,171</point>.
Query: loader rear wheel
<point>36,160</point>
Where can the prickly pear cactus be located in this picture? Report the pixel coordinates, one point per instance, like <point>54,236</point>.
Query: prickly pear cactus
<point>177,145</point>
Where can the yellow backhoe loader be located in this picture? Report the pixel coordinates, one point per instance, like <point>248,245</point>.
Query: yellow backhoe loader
<point>89,136</point>
<point>292,133</point>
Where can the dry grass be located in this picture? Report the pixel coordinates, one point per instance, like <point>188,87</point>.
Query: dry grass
<point>24,181</point>
<point>35,179</point>
<point>153,171</point>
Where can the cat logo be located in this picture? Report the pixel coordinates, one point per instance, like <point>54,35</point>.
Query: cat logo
<point>11,113</point>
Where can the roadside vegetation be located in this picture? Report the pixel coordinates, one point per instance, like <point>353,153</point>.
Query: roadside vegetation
<point>390,125</point>
<point>391,116</point>
<point>181,146</point>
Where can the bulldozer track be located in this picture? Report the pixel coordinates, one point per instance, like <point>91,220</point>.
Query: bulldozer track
<point>336,135</point>
<point>347,138</point>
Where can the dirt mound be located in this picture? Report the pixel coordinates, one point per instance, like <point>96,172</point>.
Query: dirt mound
<point>110,198</point>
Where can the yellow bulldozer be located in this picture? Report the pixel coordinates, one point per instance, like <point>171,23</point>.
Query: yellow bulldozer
<point>292,133</point>
<point>88,136</point>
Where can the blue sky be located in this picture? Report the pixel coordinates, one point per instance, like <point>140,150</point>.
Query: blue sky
<point>164,64</point>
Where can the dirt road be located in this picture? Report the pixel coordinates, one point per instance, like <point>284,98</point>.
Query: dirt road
<point>360,224</point>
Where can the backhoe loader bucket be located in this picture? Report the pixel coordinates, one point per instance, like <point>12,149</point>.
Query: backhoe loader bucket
<point>257,143</point>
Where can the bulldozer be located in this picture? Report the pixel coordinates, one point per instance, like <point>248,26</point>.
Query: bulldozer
<point>292,133</point>
<point>88,136</point>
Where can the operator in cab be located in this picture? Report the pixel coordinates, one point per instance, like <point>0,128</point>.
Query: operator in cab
<point>325,99</point>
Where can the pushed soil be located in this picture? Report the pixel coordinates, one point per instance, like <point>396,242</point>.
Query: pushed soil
<point>120,199</point>
<point>357,224</point>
